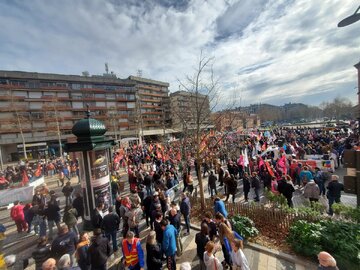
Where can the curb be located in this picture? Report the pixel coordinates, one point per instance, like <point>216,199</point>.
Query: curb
<point>275,253</point>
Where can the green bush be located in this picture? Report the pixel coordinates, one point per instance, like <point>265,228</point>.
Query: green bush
<point>340,239</point>
<point>244,226</point>
<point>347,212</point>
<point>305,238</point>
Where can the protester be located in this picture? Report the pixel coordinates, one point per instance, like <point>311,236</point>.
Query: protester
<point>334,192</point>
<point>239,261</point>
<point>110,225</point>
<point>99,251</point>
<point>64,243</point>
<point>17,215</point>
<point>219,207</point>
<point>82,251</point>
<point>312,191</point>
<point>212,183</point>
<point>70,220</point>
<point>98,215</point>
<point>153,252</point>
<point>78,204</point>
<point>210,261</point>
<point>67,190</point>
<point>201,240</point>
<point>246,186</point>
<point>169,244</point>
<point>49,264</point>
<point>326,261</point>
<point>42,253</point>
<point>133,253</point>
<point>185,211</point>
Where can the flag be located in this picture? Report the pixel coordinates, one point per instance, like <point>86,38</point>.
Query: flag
<point>240,161</point>
<point>282,163</point>
<point>269,169</point>
<point>261,162</point>
<point>246,158</point>
<point>178,156</point>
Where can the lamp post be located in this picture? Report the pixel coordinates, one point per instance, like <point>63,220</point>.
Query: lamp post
<point>92,150</point>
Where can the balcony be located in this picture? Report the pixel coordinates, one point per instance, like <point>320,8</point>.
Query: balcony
<point>8,97</point>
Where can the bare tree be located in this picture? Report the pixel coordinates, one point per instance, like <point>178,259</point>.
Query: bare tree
<point>19,125</point>
<point>52,114</point>
<point>201,92</point>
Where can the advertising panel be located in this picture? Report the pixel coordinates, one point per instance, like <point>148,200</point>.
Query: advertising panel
<point>99,177</point>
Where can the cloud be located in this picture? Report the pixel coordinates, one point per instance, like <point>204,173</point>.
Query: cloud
<point>265,50</point>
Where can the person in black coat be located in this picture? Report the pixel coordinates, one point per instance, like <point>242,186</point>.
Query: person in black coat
<point>98,216</point>
<point>110,224</point>
<point>157,227</point>
<point>334,191</point>
<point>153,252</point>
<point>212,228</point>
<point>78,204</point>
<point>255,184</point>
<point>146,207</point>
<point>212,183</point>
<point>99,251</point>
<point>42,253</point>
<point>287,189</point>
<point>246,186</point>
<point>201,239</point>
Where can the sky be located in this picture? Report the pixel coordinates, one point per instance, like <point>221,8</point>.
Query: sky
<point>261,51</point>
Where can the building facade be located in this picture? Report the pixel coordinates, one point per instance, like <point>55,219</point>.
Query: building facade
<point>38,107</point>
<point>187,108</point>
<point>234,120</point>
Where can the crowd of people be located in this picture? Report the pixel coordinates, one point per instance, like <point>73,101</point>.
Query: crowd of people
<point>155,169</point>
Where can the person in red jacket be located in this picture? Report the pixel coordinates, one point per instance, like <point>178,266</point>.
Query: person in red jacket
<point>17,215</point>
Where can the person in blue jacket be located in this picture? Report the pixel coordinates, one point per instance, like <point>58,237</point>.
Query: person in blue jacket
<point>219,206</point>
<point>169,243</point>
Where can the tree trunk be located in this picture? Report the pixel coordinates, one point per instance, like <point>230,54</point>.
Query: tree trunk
<point>202,196</point>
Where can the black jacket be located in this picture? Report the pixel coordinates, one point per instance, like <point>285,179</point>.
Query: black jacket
<point>212,228</point>
<point>52,212</point>
<point>334,189</point>
<point>98,252</point>
<point>175,220</point>
<point>62,244</point>
<point>201,240</point>
<point>153,257</point>
<point>40,255</point>
<point>78,204</point>
<point>97,219</point>
<point>110,222</point>
<point>255,182</point>
<point>246,184</point>
<point>212,181</point>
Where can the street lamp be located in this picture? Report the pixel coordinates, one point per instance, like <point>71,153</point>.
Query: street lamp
<point>351,19</point>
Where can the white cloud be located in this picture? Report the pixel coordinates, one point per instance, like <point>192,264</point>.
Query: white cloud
<point>273,50</point>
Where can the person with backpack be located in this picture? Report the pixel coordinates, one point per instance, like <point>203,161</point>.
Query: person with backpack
<point>320,178</point>
<point>134,217</point>
<point>70,219</point>
<point>305,175</point>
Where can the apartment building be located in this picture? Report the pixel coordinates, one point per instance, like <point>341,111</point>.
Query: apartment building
<point>187,108</point>
<point>233,120</point>
<point>36,107</point>
<point>153,105</point>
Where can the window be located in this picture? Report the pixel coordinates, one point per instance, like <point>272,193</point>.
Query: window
<point>75,86</point>
<point>35,105</point>
<point>18,83</point>
<point>37,115</point>
<point>99,95</point>
<point>100,104</point>
<point>34,94</point>
<point>76,95</point>
<point>130,105</point>
<point>77,105</point>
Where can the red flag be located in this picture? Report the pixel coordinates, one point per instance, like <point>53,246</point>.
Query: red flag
<point>178,156</point>
<point>25,178</point>
<point>269,169</point>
